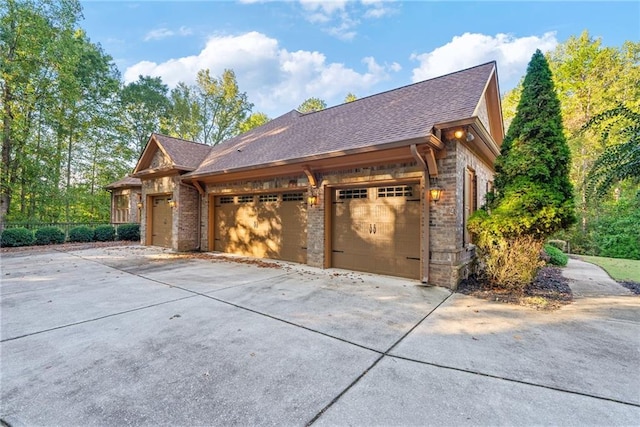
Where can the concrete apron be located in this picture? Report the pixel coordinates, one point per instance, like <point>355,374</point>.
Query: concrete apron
<point>134,336</point>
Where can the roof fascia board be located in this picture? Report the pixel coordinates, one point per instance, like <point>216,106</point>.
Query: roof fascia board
<point>425,139</point>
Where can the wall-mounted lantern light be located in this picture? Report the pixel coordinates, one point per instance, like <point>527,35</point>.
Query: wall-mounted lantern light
<point>464,133</point>
<point>435,191</point>
<point>172,203</point>
<point>312,200</point>
<point>140,205</point>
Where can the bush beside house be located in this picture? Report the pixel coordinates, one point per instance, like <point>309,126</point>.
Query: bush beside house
<point>14,237</point>
<point>49,236</point>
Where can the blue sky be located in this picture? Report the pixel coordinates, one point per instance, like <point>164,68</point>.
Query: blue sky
<point>284,52</point>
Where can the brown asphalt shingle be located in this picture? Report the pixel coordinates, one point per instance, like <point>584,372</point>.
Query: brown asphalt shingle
<point>393,116</point>
<point>185,154</point>
<point>126,182</point>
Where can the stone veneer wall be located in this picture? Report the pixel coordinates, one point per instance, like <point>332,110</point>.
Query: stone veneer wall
<point>451,259</point>
<point>448,258</point>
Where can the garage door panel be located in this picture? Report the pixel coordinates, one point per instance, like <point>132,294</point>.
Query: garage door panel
<point>378,231</point>
<point>265,226</point>
<point>162,221</point>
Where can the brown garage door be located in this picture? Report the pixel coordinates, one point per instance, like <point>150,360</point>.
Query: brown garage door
<point>265,226</point>
<point>377,230</point>
<point>161,222</point>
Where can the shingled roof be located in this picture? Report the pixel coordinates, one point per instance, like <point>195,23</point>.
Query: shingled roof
<point>126,182</point>
<point>402,114</point>
<point>184,154</point>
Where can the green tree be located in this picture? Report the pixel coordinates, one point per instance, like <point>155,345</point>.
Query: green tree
<point>350,97</point>
<point>533,196</point>
<point>210,112</point>
<point>183,115</point>
<point>30,35</point>
<point>621,160</point>
<point>143,105</point>
<point>253,121</point>
<point>312,104</point>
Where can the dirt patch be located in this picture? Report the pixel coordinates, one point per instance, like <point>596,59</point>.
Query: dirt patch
<point>66,247</point>
<point>549,291</point>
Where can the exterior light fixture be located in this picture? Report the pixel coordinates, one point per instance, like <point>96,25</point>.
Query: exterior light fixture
<point>140,205</point>
<point>172,203</point>
<point>464,133</point>
<point>312,200</point>
<point>435,191</point>
<point>458,134</point>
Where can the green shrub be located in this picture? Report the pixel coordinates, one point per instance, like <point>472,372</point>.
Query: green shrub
<point>13,237</point>
<point>104,233</point>
<point>49,236</point>
<point>557,257</point>
<point>81,234</point>
<point>129,232</point>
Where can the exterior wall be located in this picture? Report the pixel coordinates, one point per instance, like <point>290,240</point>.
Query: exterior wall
<point>445,260</point>
<point>134,196</point>
<point>186,222</point>
<point>483,113</point>
<point>451,258</point>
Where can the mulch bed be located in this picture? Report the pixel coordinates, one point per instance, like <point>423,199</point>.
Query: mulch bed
<point>549,291</point>
<point>632,286</point>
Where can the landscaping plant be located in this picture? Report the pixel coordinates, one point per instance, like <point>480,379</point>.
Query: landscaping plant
<point>556,256</point>
<point>129,232</point>
<point>49,236</point>
<point>19,236</point>
<point>81,234</point>
<point>104,233</point>
<point>532,196</point>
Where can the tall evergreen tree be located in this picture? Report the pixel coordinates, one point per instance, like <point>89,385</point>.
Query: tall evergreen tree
<point>533,196</point>
<point>532,185</point>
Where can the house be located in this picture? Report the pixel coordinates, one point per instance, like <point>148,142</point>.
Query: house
<point>126,200</point>
<point>384,184</point>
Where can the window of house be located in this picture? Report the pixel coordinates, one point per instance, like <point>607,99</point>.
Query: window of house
<point>121,208</point>
<point>470,200</point>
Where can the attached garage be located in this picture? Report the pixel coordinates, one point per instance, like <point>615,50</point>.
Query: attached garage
<point>377,230</point>
<point>161,221</point>
<point>262,225</point>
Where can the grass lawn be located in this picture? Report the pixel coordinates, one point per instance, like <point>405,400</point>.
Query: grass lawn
<point>619,269</point>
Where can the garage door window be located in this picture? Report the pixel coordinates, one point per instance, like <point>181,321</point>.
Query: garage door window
<point>402,191</point>
<point>245,199</point>
<point>268,198</point>
<point>292,197</point>
<point>224,200</point>
<point>352,193</point>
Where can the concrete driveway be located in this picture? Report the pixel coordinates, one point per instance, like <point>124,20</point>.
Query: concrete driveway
<point>137,336</point>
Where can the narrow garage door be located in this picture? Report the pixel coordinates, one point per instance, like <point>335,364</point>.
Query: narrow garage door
<point>377,230</point>
<point>161,222</point>
<point>265,226</point>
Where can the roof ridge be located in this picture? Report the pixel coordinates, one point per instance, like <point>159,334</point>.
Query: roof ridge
<point>182,139</point>
<point>494,62</point>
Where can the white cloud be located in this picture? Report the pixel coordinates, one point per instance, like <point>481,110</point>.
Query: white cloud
<point>275,79</point>
<point>511,53</point>
<point>163,33</point>
<point>340,18</point>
